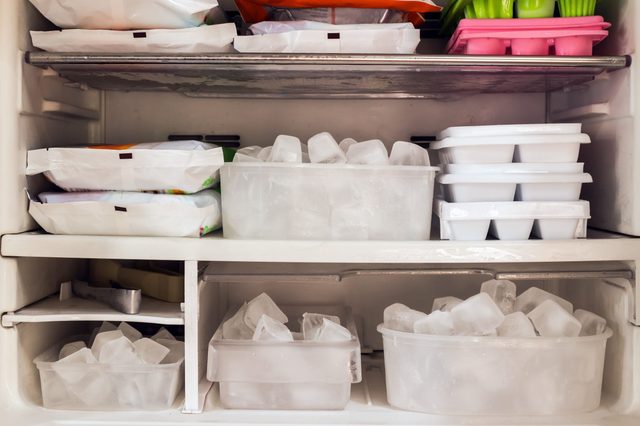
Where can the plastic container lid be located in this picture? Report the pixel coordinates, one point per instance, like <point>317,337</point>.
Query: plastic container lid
<point>514,178</point>
<point>511,129</point>
<point>515,210</point>
<point>580,138</point>
<point>511,168</point>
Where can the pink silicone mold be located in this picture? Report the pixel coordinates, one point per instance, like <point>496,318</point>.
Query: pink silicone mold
<point>536,37</point>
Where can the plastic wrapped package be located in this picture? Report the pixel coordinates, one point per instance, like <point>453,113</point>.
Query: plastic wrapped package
<point>340,15</point>
<point>173,167</point>
<point>125,14</point>
<point>128,213</point>
<point>204,39</point>
<point>317,37</point>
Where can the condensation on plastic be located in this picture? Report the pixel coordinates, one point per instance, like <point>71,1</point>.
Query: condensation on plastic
<point>340,16</point>
<point>175,166</point>
<point>123,387</point>
<point>125,14</point>
<point>128,213</point>
<point>326,201</point>
<point>465,375</point>
<point>298,375</point>
<point>203,39</point>
<point>317,37</point>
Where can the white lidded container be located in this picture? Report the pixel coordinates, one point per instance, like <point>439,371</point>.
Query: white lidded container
<point>513,220</point>
<point>553,168</point>
<point>298,375</point>
<point>469,375</point>
<point>511,130</point>
<point>468,187</point>
<point>123,387</point>
<point>326,201</point>
<point>557,148</point>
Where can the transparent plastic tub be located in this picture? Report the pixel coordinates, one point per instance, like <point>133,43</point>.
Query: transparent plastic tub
<point>299,375</point>
<point>467,375</point>
<point>106,387</point>
<point>326,201</point>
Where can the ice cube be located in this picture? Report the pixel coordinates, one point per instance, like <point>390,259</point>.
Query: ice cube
<point>103,338</point>
<point>105,326</point>
<point>312,323</point>
<point>331,332</point>
<point>552,320</point>
<point>478,316</point>
<point>438,323</point>
<point>533,297</point>
<point>408,154</point>
<point>445,303</point>
<point>71,348</point>
<point>503,292</point>
<point>235,327</point>
<point>163,333</point>
<point>264,154</point>
<point>346,143</point>
<point>269,329</point>
<point>81,356</point>
<point>112,347</point>
<point>286,149</point>
<point>129,332</point>
<point>323,148</point>
<point>592,324</point>
<point>176,350</point>
<point>150,351</point>
<point>247,154</point>
<point>401,318</point>
<point>516,324</point>
<point>70,367</point>
<point>262,305</point>
<point>371,152</point>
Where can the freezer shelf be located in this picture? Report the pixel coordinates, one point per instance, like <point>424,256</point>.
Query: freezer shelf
<point>52,309</point>
<point>327,76</point>
<point>599,246</point>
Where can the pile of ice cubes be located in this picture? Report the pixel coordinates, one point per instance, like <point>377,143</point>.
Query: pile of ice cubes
<point>115,371</point>
<point>262,320</point>
<point>123,345</point>
<point>497,311</point>
<point>323,148</point>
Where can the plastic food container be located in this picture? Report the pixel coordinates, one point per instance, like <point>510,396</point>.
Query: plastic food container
<point>513,220</point>
<point>556,168</point>
<point>465,188</point>
<point>561,148</point>
<point>466,375</point>
<point>511,130</point>
<point>299,375</point>
<point>326,201</point>
<point>127,387</point>
<point>559,36</point>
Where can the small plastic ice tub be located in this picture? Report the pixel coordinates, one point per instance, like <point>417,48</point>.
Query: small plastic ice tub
<point>468,375</point>
<point>106,387</point>
<point>467,188</point>
<point>513,220</point>
<point>544,148</point>
<point>298,375</point>
<point>278,201</point>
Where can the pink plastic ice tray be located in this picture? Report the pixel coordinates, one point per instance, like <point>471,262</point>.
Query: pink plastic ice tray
<point>538,37</point>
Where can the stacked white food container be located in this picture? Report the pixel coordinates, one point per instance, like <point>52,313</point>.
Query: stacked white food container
<point>512,181</point>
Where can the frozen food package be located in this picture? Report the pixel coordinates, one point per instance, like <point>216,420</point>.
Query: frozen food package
<point>317,37</point>
<point>128,213</point>
<point>340,15</point>
<point>170,167</point>
<point>203,39</point>
<point>253,11</point>
<point>125,14</point>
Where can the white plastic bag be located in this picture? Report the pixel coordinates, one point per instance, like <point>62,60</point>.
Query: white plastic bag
<point>317,37</point>
<point>173,167</point>
<point>125,14</point>
<point>128,213</point>
<point>204,39</point>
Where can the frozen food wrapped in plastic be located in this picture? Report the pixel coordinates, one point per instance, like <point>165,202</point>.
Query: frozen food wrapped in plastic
<point>203,39</point>
<point>317,37</point>
<point>340,15</point>
<point>125,14</point>
<point>171,167</point>
<point>128,213</point>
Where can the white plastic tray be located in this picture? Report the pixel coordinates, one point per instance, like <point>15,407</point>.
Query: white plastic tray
<point>513,220</point>
<point>557,168</point>
<point>563,148</point>
<point>511,130</point>
<point>466,188</point>
<point>298,375</point>
<point>470,375</point>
